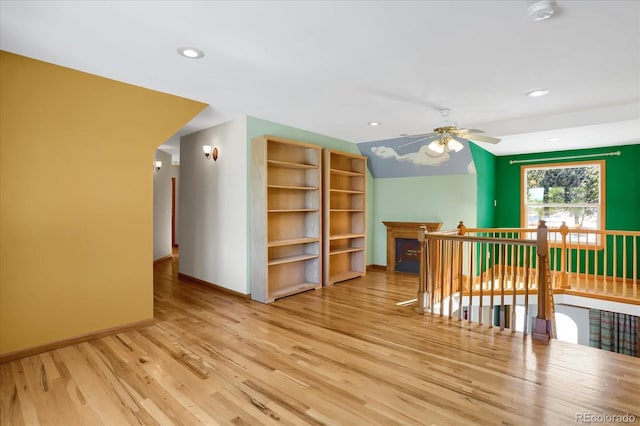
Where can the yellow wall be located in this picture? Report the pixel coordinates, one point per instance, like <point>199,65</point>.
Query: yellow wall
<point>76,188</point>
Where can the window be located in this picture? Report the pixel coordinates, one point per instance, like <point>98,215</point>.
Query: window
<point>571,193</point>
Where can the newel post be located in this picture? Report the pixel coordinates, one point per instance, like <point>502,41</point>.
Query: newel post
<point>564,277</point>
<point>423,293</point>
<point>542,324</point>
<point>461,228</point>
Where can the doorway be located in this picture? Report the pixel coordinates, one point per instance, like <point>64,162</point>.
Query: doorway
<point>173,212</point>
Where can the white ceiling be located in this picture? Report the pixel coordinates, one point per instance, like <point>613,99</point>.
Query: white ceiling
<point>333,66</point>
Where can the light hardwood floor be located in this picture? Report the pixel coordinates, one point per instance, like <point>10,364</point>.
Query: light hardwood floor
<point>345,355</point>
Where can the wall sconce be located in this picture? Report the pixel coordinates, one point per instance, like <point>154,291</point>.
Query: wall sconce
<point>210,152</point>
<point>157,165</point>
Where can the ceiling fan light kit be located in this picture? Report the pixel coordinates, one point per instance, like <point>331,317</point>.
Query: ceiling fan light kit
<point>437,146</point>
<point>454,145</point>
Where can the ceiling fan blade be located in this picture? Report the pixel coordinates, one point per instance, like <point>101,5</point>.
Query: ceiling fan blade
<point>428,138</point>
<point>471,130</point>
<point>421,135</point>
<point>482,138</point>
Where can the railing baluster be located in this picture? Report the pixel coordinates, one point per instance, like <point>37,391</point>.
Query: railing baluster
<point>515,260</point>
<point>492,275</point>
<point>514,271</point>
<point>460,283</point>
<point>483,263</point>
<point>624,266</point>
<point>578,252</point>
<point>586,269</point>
<point>576,263</point>
<point>471,277</point>
<point>595,269</point>
<point>503,267</point>
<point>442,275</point>
<point>604,266</point>
<point>434,275</point>
<point>451,268</point>
<point>615,265</point>
<point>534,260</point>
<point>570,274</point>
<point>635,266</point>
<point>527,256</point>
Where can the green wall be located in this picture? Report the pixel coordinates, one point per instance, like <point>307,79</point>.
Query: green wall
<point>622,207</point>
<point>448,199</point>
<point>485,164</point>
<point>258,127</point>
<point>622,185</point>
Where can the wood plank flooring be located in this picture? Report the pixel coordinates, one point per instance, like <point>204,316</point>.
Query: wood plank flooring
<point>346,355</point>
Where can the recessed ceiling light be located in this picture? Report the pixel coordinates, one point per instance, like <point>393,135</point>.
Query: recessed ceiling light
<point>553,140</point>
<point>537,93</point>
<point>374,123</point>
<point>191,52</point>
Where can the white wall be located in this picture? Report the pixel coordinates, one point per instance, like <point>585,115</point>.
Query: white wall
<point>581,317</point>
<point>162,205</point>
<point>213,206</point>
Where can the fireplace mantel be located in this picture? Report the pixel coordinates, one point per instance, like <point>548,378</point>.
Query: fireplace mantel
<point>403,230</point>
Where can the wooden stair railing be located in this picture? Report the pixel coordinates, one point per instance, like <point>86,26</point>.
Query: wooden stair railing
<point>442,283</point>
<point>602,264</point>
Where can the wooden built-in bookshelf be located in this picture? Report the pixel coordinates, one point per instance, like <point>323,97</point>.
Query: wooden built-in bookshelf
<point>286,234</point>
<point>344,216</point>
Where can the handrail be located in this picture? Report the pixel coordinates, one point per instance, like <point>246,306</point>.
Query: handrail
<point>558,230</point>
<point>438,236</point>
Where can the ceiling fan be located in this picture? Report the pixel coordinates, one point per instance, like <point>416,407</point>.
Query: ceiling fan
<point>448,137</point>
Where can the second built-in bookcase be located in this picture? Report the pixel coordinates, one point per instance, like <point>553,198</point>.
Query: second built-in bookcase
<point>286,234</point>
<point>344,216</point>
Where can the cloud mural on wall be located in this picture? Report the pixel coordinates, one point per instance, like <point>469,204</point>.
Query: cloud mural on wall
<point>424,156</point>
<point>394,158</point>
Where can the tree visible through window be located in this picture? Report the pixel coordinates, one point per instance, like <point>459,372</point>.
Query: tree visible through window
<point>570,193</point>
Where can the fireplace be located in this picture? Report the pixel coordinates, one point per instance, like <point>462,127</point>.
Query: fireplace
<point>402,245</point>
<point>408,255</point>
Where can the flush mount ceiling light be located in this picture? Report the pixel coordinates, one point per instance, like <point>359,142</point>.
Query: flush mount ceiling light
<point>541,10</point>
<point>537,93</point>
<point>191,52</point>
<point>374,123</point>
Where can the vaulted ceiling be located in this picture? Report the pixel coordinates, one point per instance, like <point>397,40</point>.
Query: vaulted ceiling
<point>333,66</point>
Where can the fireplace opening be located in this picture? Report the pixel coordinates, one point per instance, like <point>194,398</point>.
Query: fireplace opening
<point>407,255</point>
<point>408,231</point>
